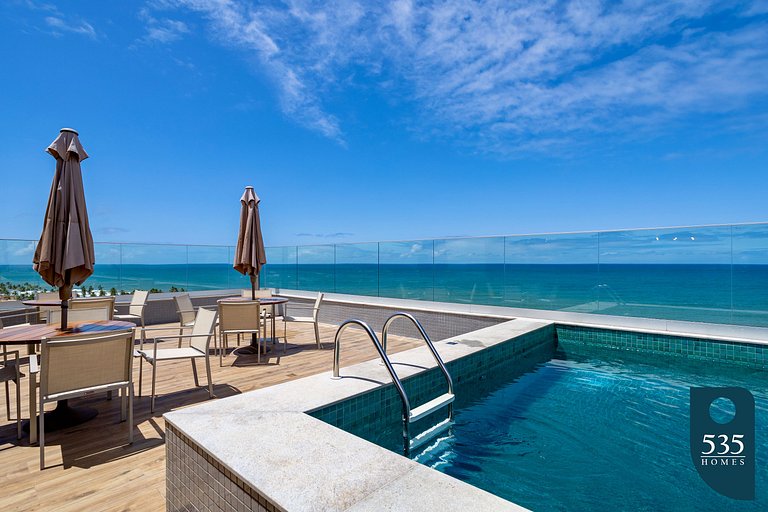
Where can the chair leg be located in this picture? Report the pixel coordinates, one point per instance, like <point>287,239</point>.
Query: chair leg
<point>208,374</point>
<point>194,371</point>
<point>18,409</point>
<point>141,368</point>
<point>130,413</point>
<point>154,375</point>
<point>222,349</point>
<point>8,400</point>
<point>317,336</point>
<point>41,435</point>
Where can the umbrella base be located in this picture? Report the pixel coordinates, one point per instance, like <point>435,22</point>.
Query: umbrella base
<point>65,416</point>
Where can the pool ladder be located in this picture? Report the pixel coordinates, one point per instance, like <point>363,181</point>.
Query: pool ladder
<point>408,415</point>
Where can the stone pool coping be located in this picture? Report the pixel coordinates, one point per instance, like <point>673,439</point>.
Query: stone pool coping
<point>267,439</point>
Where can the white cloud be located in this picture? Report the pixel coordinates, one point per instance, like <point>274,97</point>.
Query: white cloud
<point>80,27</point>
<point>164,31</point>
<point>503,76</point>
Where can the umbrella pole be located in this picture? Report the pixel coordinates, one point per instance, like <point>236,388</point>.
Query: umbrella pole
<point>65,293</point>
<point>64,309</point>
<point>253,287</point>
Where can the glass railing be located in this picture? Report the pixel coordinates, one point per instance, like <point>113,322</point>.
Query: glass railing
<point>122,268</point>
<point>713,274</point>
<point>704,273</point>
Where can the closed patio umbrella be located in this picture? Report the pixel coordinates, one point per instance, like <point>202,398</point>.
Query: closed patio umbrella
<point>249,254</point>
<point>64,255</point>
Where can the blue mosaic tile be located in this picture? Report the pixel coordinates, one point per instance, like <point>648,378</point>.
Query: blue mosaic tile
<point>571,337</point>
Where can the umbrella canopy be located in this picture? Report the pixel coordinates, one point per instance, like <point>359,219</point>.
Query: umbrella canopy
<point>64,255</point>
<point>250,255</point>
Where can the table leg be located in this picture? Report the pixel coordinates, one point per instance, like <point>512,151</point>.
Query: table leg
<point>273,325</point>
<point>32,399</point>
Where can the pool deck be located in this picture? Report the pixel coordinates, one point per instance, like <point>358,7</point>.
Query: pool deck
<point>356,475</point>
<point>90,467</point>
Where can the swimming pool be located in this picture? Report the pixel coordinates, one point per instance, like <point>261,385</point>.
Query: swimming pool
<point>592,432</point>
<point>574,426</point>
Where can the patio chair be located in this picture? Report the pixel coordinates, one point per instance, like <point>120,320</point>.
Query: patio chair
<point>186,311</point>
<point>305,319</point>
<point>43,310</point>
<point>79,315</point>
<point>136,308</point>
<point>9,372</point>
<point>199,346</point>
<point>238,318</point>
<point>74,366</point>
<point>93,303</point>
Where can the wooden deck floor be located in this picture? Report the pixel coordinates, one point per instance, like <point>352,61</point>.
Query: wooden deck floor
<point>90,467</point>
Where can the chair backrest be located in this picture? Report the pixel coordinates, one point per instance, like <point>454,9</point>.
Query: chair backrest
<point>316,307</point>
<point>138,301</point>
<point>238,316</point>
<point>93,303</point>
<point>77,362</point>
<point>205,323</point>
<point>79,315</point>
<point>52,296</point>
<point>259,294</point>
<point>185,308</point>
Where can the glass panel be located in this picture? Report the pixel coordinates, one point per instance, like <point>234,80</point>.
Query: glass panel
<point>750,275</point>
<point>156,268</point>
<point>470,270</point>
<point>18,280</point>
<point>106,272</point>
<point>357,269</point>
<point>316,268</point>
<point>405,270</point>
<point>280,270</point>
<point>680,274</point>
<point>552,272</point>
<point>208,267</point>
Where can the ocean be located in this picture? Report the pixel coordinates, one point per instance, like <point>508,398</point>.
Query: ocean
<point>731,294</point>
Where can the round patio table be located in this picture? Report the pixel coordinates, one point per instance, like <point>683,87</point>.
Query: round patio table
<point>32,335</point>
<point>263,301</point>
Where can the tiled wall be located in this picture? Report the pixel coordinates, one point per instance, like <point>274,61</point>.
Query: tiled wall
<point>196,482</point>
<point>376,415</point>
<point>439,326</point>
<point>742,354</point>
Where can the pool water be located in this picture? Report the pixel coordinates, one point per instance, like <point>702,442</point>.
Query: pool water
<point>591,432</point>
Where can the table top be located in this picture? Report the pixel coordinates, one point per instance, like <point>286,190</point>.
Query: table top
<point>266,301</point>
<point>41,302</point>
<point>35,333</point>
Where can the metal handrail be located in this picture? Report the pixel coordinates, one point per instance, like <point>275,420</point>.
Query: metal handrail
<point>387,363</point>
<point>428,341</point>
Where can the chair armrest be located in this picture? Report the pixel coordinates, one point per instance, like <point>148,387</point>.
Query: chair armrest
<point>300,306</point>
<point>144,329</point>
<point>181,336</point>
<point>14,353</point>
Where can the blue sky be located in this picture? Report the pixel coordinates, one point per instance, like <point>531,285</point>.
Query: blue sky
<point>387,120</point>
